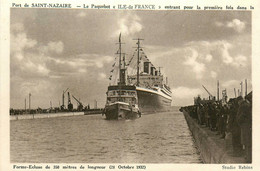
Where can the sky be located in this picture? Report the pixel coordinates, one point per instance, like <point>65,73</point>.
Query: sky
<point>55,49</point>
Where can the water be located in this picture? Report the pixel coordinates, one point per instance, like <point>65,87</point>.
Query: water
<point>154,138</point>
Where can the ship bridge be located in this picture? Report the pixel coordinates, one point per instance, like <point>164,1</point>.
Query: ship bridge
<point>121,93</point>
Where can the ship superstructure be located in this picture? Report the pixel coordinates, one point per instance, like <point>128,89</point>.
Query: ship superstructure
<point>153,92</point>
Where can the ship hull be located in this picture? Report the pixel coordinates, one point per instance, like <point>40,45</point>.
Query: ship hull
<point>150,101</point>
<point>119,111</point>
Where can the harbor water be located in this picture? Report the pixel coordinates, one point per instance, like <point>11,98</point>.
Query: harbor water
<point>154,138</point>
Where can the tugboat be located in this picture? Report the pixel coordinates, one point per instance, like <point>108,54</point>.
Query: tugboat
<point>122,99</point>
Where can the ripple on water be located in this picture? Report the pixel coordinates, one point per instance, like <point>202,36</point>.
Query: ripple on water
<point>155,138</point>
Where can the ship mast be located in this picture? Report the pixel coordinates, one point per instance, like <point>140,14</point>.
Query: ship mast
<point>138,60</point>
<point>138,44</point>
<point>120,59</point>
<point>124,61</point>
<point>121,70</point>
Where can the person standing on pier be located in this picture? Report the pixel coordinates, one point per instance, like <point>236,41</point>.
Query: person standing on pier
<point>244,119</point>
<point>218,116</point>
<point>225,116</point>
<point>194,112</point>
<point>200,113</point>
<point>234,128</point>
<point>213,117</point>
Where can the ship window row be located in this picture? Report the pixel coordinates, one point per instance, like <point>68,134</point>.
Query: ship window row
<point>130,100</point>
<point>148,78</point>
<point>125,93</point>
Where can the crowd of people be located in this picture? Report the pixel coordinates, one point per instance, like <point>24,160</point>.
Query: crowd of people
<point>232,119</point>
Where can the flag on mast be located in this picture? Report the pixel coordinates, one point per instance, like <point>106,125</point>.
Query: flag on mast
<point>120,37</point>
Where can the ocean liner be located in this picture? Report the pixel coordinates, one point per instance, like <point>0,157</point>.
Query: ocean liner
<point>151,91</point>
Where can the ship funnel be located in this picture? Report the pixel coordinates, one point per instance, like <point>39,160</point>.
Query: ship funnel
<point>147,67</point>
<point>156,73</point>
<point>152,70</point>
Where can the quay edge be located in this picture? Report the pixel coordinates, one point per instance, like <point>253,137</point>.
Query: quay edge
<point>45,115</point>
<point>212,148</point>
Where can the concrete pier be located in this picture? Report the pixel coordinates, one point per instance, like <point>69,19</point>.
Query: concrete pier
<point>44,115</point>
<point>212,148</point>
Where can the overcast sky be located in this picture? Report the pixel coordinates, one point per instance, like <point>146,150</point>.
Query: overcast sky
<point>53,49</point>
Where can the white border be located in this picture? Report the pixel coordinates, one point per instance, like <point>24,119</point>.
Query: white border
<point>5,75</point>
